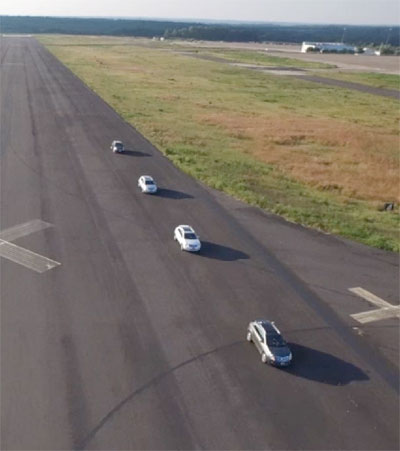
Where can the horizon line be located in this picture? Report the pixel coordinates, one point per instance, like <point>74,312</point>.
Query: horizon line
<point>204,21</point>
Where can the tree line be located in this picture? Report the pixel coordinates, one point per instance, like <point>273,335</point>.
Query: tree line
<point>241,32</point>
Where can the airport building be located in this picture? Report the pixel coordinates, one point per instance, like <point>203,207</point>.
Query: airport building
<point>327,47</point>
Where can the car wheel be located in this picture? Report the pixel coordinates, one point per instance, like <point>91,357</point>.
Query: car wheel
<point>264,357</point>
<point>248,337</point>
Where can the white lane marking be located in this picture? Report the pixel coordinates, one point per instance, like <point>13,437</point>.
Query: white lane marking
<point>26,258</point>
<point>22,256</point>
<point>376,315</point>
<point>370,297</point>
<point>20,230</point>
<point>385,310</point>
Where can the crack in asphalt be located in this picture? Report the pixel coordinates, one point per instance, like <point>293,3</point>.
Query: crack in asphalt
<point>155,380</point>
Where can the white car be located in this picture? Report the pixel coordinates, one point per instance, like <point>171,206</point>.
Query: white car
<point>117,147</point>
<point>147,184</point>
<point>187,238</point>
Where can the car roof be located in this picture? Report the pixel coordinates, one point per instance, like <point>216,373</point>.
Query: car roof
<point>117,142</point>
<point>187,228</point>
<point>147,177</point>
<point>268,326</point>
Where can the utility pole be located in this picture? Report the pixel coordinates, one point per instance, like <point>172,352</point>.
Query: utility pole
<point>344,31</point>
<point>388,36</point>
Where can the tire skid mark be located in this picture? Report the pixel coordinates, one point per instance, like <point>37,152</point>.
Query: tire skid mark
<point>156,380</point>
<point>77,407</point>
<point>4,52</point>
<point>118,278</point>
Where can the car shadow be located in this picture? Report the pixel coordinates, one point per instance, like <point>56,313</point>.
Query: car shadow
<point>323,367</point>
<point>135,153</point>
<point>219,252</point>
<point>172,194</point>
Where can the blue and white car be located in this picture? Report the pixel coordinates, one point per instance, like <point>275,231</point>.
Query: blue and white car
<point>269,342</point>
<point>147,184</point>
<point>187,238</point>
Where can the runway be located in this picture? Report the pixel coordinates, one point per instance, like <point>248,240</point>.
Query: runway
<point>114,339</point>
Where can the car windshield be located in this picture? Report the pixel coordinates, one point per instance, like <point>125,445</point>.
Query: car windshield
<point>149,182</point>
<point>275,340</point>
<point>118,144</point>
<point>190,236</point>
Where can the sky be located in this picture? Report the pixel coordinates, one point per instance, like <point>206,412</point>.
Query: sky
<point>357,12</point>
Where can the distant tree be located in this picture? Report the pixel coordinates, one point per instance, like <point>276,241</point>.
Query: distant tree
<point>387,50</point>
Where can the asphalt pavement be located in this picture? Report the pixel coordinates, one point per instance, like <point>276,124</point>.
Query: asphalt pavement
<point>113,338</point>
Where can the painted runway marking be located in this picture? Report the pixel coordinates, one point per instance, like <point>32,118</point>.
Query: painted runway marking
<point>385,310</point>
<point>22,256</point>
<point>20,230</point>
<point>26,258</point>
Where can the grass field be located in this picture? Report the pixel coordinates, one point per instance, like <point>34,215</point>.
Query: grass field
<point>374,79</point>
<point>322,156</point>
<point>263,58</point>
<point>260,58</point>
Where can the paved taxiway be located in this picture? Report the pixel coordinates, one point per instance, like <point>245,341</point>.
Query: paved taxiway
<point>129,343</point>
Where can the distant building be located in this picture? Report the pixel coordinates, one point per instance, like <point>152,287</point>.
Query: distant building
<point>327,47</point>
<point>369,51</point>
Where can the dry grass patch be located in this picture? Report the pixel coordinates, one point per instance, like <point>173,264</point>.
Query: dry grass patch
<point>325,153</point>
